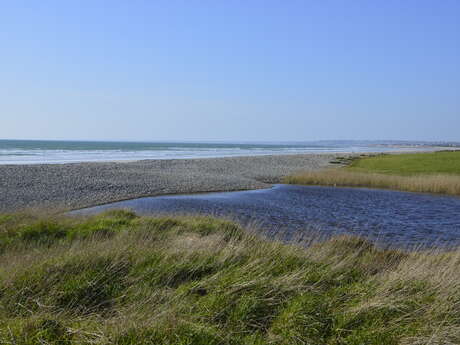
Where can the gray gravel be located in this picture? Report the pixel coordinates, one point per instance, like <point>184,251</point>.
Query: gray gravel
<point>77,185</point>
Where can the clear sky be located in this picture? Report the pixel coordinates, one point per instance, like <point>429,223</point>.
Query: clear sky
<point>230,70</point>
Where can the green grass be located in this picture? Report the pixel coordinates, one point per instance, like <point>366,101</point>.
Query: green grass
<point>437,172</point>
<point>444,162</point>
<point>117,278</point>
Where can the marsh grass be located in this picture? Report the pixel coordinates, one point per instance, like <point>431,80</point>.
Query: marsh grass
<point>444,184</point>
<point>117,278</point>
<point>436,172</point>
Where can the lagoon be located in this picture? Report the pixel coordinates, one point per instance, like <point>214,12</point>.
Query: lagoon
<point>398,219</point>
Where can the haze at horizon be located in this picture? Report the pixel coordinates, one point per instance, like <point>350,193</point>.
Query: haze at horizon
<point>207,70</point>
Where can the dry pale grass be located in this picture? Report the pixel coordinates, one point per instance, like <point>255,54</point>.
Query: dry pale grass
<point>445,184</point>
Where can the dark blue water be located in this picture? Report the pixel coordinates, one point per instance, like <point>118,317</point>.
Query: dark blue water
<point>395,218</point>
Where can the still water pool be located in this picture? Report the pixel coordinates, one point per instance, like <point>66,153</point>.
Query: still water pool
<point>395,218</point>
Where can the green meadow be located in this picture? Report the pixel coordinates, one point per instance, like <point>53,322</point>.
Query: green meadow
<point>442,162</point>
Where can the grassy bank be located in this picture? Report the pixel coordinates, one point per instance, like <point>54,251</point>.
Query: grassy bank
<point>434,163</point>
<point>437,172</point>
<point>122,279</point>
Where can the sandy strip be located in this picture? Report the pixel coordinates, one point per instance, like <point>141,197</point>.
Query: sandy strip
<point>71,186</point>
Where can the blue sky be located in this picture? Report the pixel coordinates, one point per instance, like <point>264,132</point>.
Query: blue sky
<point>230,70</point>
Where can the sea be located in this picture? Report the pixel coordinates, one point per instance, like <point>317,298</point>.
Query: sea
<point>62,151</point>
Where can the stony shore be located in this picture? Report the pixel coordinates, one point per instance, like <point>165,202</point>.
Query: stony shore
<point>77,185</point>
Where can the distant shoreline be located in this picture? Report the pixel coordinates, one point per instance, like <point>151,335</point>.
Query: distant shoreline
<point>338,153</point>
<point>24,152</point>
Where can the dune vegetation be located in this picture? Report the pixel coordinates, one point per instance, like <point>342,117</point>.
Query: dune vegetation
<point>437,172</point>
<point>117,278</point>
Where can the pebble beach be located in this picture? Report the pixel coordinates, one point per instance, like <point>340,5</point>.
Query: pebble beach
<point>77,185</point>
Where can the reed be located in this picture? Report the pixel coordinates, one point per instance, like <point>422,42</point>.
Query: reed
<point>117,278</point>
<point>440,183</point>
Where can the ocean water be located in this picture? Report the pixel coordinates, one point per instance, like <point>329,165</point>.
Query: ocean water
<point>47,152</point>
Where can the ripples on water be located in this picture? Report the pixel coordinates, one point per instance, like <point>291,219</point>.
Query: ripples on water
<point>395,218</point>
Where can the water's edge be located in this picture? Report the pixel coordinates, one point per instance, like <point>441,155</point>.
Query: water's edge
<point>64,152</point>
<point>397,218</point>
